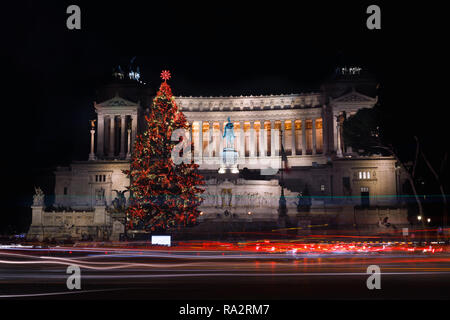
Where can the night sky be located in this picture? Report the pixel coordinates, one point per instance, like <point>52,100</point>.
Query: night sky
<point>50,73</point>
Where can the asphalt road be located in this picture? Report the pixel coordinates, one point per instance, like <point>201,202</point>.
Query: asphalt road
<point>145,274</point>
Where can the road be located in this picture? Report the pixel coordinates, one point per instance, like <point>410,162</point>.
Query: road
<point>116,273</point>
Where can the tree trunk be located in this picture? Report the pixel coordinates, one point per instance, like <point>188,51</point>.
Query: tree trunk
<point>409,176</point>
<point>441,187</point>
<point>413,186</point>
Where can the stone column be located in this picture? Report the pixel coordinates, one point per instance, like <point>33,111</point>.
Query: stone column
<point>303,136</point>
<point>100,134</point>
<point>335,131</point>
<point>314,136</point>
<point>216,134</point>
<point>129,144</point>
<point>221,139</point>
<point>293,137</point>
<point>191,136</point>
<point>241,140</point>
<point>133,129</point>
<point>252,140</point>
<point>339,142</point>
<point>324,130</point>
<point>112,135</point>
<point>122,135</point>
<point>92,155</point>
<point>272,138</point>
<point>262,140</point>
<point>211,139</point>
<point>200,135</point>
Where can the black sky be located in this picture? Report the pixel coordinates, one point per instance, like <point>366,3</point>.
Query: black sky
<point>211,48</point>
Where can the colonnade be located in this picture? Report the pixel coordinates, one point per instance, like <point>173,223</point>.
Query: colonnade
<point>299,137</point>
<point>106,135</point>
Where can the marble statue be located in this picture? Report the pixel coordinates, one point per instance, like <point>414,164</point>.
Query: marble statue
<point>38,198</point>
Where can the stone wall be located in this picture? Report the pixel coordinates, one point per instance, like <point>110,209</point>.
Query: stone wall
<point>77,186</point>
<point>372,216</point>
<point>382,184</point>
<point>240,199</point>
<point>76,225</point>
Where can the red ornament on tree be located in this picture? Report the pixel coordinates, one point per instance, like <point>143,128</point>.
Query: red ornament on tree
<point>163,195</point>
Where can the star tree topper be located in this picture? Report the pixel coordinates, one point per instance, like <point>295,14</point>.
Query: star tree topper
<point>165,75</point>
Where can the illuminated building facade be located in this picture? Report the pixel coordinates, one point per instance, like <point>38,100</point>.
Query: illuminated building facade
<point>340,187</point>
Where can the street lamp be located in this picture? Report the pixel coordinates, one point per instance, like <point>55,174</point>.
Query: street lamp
<point>419,218</point>
<point>428,220</point>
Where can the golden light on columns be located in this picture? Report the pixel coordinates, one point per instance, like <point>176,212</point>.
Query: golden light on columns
<point>319,135</point>
<point>205,135</point>
<point>298,136</point>
<point>195,137</point>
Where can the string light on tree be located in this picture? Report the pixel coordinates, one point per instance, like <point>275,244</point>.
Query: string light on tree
<point>164,196</point>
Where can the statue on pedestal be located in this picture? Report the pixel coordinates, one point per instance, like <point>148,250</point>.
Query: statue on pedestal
<point>38,198</point>
<point>228,134</point>
<point>120,202</point>
<point>229,154</point>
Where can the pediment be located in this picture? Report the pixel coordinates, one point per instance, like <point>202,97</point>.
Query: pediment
<point>354,97</point>
<point>117,102</point>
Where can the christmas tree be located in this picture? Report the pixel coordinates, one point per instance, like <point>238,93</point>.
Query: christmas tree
<point>164,195</point>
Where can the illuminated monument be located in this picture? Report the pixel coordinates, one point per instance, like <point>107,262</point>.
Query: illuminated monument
<point>241,143</point>
<point>229,154</point>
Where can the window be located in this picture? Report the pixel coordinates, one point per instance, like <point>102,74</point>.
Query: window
<point>322,187</point>
<point>65,190</point>
<point>364,189</point>
<point>364,175</point>
<point>100,178</point>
